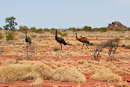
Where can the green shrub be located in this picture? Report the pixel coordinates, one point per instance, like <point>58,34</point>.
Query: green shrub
<point>10,36</point>
<point>62,34</point>
<point>53,30</point>
<point>72,29</point>
<point>33,29</point>
<point>1,36</point>
<point>102,29</point>
<point>23,28</point>
<point>0,28</point>
<point>46,30</point>
<point>39,31</point>
<point>87,28</point>
<point>120,29</point>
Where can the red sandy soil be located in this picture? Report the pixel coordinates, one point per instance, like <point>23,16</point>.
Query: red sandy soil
<point>49,83</point>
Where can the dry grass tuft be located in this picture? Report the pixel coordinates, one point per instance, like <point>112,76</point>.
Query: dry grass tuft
<point>37,71</point>
<point>43,70</point>
<point>106,75</point>
<point>20,72</point>
<point>122,84</point>
<point>56,48</point>
<point>68,74</point>
<point>13,72</point>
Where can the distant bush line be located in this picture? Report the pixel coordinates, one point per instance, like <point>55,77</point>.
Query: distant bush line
<point>52,30</point>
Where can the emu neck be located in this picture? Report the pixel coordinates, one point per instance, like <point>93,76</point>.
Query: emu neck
<point>26,35</point>
<point>56,34</point>
<point>77,37</point>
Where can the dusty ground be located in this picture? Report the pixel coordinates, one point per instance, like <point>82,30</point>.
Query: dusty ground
<point>46,49</point>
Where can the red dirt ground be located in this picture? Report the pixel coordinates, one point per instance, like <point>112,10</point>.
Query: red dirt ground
<point>49,83</point>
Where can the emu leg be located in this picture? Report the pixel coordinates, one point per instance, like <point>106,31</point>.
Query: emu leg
<point>82,46</point>
<point>87,45</point>
<point>61,46</point>
<point>98,54</point>
<point>95,55</point>
<point>27,47</point>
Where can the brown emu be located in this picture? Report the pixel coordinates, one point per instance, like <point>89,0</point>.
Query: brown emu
<point>112,44</point>
<point>84,40</point>
<point>27,38</point>
<point>60,40</point>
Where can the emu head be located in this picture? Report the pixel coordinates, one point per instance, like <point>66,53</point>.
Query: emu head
<point>76,34</point>
<point>56,32</point>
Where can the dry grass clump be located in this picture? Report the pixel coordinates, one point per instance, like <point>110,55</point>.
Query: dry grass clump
<point>56,48</point>
<point>122,84</point>
<point>19,72</point>
<point>13,72</point>
<point>105,75</point>
<point>38,71</point>
<point>43,70</point>
<point>68,74</point>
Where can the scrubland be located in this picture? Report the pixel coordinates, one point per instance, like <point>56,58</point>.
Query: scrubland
<point>45,61</point>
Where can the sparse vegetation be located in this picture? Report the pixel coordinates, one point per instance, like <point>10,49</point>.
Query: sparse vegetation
<point>106,75</point>
<point>10,35</point>
<point>1,36</point>
<point>38,71</point>
<point>79,62</point>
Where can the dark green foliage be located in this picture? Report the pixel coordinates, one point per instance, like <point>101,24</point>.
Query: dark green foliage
<point>39,30</point>
<point>10,23</point>
<point>72,29</point>
<point>75,29</point>
<point>0,28</point>
<point>33,29</point>
<point>23,28</point>
<point>46,30</point>
<point>52,30</point>
<point>102,29</point>
<point>10,35</point>
<point>62,34</point>
<point>87,28</point>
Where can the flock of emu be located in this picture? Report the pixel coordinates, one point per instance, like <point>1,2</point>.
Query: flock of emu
<point>112,44</point>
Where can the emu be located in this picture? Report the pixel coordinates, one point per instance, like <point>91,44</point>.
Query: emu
<point>84,40</point>
<point>112,44</point>
<point>60,40</point>
<point>27,39</point>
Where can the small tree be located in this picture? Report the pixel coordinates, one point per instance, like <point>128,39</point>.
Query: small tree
<point>10,23</point>
<point>87,28</point>
<point>23,28</point>
<point>46,30</point>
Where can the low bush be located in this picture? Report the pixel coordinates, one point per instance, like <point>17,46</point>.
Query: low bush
<point>38,72</point>
<point>106,75</point>
<point>10,35</point>
<point>68,74</point>
<point>1,36</point>
<point>33,29</point>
